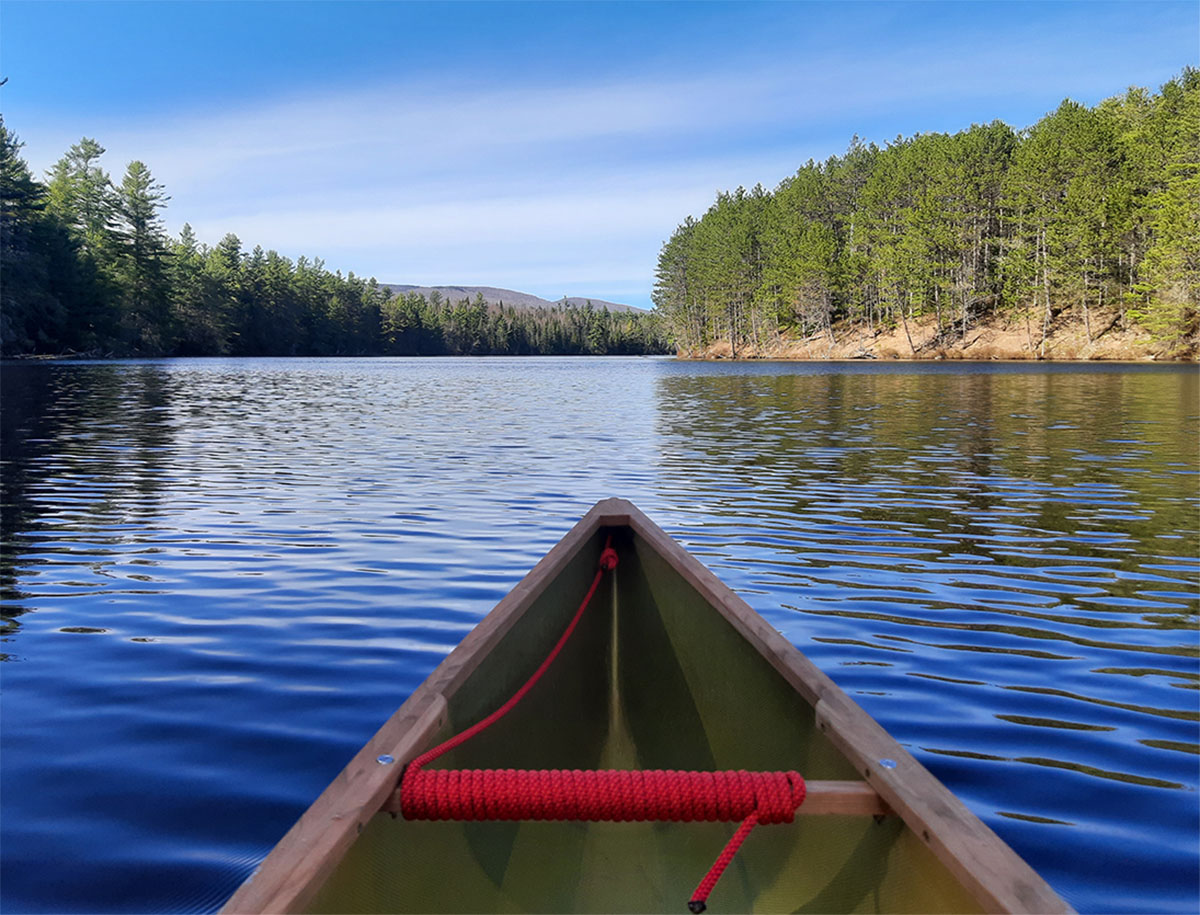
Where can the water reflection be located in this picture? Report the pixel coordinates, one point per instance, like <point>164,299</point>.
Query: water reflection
<point>83,451</point>
<point>1047,521</point>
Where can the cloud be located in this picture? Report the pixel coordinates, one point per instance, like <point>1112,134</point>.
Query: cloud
<point>419,128</point>
<point>387,180</point>
<point>413,182</point>
<point>552,243</point>
<point>423,180</point>
<point>415,129</point>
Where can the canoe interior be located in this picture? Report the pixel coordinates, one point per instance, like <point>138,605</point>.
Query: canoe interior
<point>653,678</point>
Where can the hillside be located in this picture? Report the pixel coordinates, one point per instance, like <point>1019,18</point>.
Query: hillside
<point>494,296</point>
<point>991,337</point>
<point>1052,238</point>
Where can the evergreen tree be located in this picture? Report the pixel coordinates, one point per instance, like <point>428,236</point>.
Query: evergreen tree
<point>199,330</point>
<point>31,316</point>
<point>1168,296</point>
<point>141,268</point>
<point>82,196</point>
<point>1085,210</point>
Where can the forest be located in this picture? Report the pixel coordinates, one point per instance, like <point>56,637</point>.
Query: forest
<point>1091,216</point>
<point>89,269</point>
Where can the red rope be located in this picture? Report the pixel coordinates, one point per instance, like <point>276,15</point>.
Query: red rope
<point>608,561</point>
<point>607,794</point>
<point>615,795</point>
<point>699,901</point>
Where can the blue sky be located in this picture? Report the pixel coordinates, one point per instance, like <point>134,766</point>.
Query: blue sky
<point>545,147</point>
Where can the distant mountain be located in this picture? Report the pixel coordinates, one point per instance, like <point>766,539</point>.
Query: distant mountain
<point>510,297</point>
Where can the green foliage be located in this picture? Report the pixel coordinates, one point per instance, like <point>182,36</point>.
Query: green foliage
<point>88,267</point>
<point>82,196</point>
<point>29,311</point>
<point>1166,300</point>
<point>416,326</point>
<point>140,268</point>
<point>49,287</point>
<point>1088,210</point>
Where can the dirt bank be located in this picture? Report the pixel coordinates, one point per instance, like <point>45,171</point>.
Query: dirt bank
<point>984,340</point>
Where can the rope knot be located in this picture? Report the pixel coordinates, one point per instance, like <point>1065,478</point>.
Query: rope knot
<point>608,559</point>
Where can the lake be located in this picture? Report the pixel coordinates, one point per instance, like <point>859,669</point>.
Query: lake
<point>221,576</point>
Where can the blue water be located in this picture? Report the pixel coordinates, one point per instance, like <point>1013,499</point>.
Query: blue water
<point>222,575</point>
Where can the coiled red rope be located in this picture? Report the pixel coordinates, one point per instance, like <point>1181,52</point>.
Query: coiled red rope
<point>607,794</point>
<point>616,795</point>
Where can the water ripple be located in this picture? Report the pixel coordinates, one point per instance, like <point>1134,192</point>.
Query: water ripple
<point>220,576</point>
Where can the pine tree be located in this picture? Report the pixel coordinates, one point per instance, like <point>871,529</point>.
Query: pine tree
<point>141,268</point>
<point>1170,286</point>
<point>81,194</point>
<point>31,316</point>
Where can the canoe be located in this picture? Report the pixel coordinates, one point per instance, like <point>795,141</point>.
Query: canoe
<point>665,671</point>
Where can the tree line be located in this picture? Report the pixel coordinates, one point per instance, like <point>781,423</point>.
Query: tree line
<point>1091,214</point>
<point>416,326</point>
<point>88,267</point>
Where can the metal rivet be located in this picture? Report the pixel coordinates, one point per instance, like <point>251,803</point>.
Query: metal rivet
<point>888,763</point>
<point>386,760</point>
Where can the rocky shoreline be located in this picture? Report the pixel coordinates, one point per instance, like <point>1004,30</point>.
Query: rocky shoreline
<point>1067,339</point>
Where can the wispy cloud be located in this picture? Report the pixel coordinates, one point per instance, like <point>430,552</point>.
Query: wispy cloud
<point>393,179</point>
<point>421,180</point>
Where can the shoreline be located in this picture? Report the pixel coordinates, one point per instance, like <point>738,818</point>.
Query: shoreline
<point>1067,340</point>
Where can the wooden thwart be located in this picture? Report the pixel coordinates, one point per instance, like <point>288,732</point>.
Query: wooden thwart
<point>842,798</point>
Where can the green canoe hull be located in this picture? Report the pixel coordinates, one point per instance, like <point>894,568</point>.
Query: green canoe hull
<point>666,670</point>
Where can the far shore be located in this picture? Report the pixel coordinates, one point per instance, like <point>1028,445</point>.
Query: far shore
<point>917,340</point>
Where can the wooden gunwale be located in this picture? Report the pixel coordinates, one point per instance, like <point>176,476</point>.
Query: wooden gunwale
<point>302,861</point>
<point>290,876</point>
<point>991,871</point>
